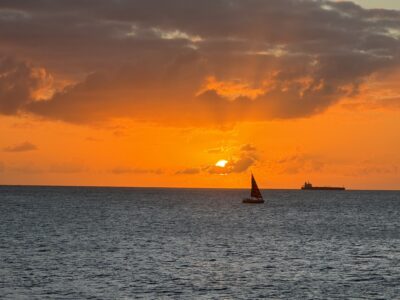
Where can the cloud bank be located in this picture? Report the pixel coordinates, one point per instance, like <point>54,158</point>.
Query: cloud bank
<point>189,62</point>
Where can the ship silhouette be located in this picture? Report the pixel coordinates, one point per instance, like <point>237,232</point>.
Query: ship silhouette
<point>308,186</point>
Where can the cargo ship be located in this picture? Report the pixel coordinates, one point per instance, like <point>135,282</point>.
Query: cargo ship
<point>309,186</point>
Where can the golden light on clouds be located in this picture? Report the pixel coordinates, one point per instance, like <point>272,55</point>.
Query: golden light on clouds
<point>232,89</point>
<point>139,98</point>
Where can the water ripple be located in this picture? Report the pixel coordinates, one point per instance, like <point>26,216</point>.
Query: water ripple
<point>111,243</point>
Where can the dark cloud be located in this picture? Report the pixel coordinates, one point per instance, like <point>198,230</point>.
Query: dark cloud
<point>23,147</point>
<point>18,83</point>
<point>150,60</point>
<point>241,165</point>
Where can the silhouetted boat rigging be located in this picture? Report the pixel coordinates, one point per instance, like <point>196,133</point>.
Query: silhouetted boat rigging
<point>255,195</point>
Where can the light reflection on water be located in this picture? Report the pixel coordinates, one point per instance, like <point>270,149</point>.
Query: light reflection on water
<point>113,243</point>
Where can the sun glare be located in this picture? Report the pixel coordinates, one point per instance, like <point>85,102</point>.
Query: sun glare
<point>221,163</point>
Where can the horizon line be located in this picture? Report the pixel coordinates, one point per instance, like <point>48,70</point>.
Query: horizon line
<point>173,187</point>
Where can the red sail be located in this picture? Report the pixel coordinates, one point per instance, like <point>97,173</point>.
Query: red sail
<point>255,192</point>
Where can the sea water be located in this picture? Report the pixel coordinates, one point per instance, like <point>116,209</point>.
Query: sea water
<point>128,243</point>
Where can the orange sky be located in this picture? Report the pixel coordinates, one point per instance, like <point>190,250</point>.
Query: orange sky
<point>339,147</point>
<point>160,106</point>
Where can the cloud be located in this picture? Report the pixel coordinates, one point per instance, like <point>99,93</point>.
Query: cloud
<point>25,169</point>
<point>379,93</point>
<point>296,163</point>
<point>23,147</point>
<point>20,83</point>
<point>23,125</point>
<point>217,150</point>
<point>189,171</point>
<point>130,170</point>
<point>58,168</point>
<point>234,166</point>
<point>245,157</point>
<point>66,168</point>
<point>184,63</point>
<point>248,148</point>
<point>92,139</point>
<point>241,164</point>
<point>371,168</point>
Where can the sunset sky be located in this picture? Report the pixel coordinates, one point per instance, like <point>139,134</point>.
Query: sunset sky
<point>156,93</point>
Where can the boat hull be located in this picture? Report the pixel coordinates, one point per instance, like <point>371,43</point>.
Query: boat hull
<point>324,188</point>
<point>253,201</point>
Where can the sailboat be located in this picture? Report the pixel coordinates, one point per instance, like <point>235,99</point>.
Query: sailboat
<point>255,195</point>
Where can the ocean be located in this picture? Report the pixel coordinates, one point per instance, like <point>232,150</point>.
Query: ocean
<point>143,243</point>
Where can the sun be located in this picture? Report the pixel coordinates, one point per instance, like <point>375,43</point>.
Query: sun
<point>221,163</point>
